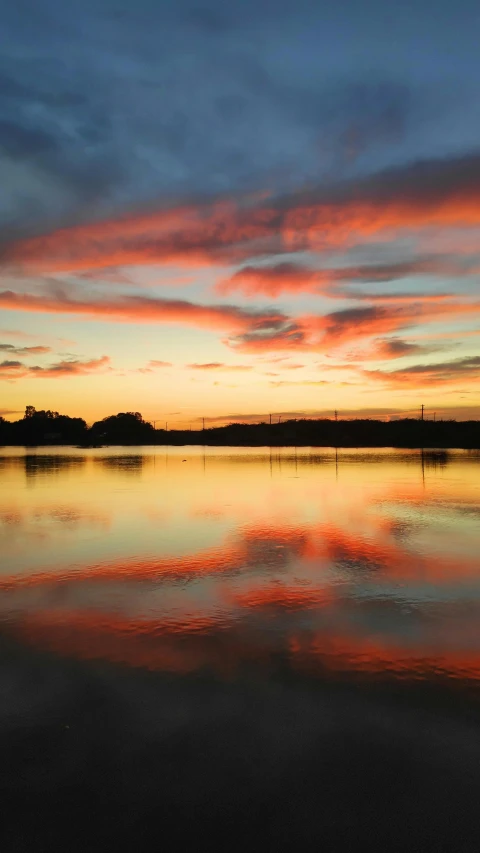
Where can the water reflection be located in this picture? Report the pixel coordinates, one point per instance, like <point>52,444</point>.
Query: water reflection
<point>41,464</point>
<point>124,464</point>
<point>271,650</point>
<point>436,458</point>
<point>224,560</point>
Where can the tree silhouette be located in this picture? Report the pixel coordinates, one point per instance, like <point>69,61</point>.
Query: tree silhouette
<point>46,427</point>
<point>123,428</point>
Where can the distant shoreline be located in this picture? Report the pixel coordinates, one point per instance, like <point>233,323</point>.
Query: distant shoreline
<point>437,449</point>
<point>45,429</point>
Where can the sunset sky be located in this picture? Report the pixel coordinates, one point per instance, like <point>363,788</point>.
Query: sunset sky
<point>230,209</point>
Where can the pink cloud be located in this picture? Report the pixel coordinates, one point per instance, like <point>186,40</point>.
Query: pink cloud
<point>441,193</point>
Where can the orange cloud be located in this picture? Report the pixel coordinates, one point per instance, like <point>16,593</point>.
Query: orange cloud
<point>285,277</point>
<point>11,370</point>
<point>282,382</point>
<point>153,365</point>
<point>272,280</point>
<point>148,310</point>
<point>24,351</point>
<point>249,330</point>
<point>443,193</point>
<point>218,365</point>
<point>440,373</point>
<point>317,332</point>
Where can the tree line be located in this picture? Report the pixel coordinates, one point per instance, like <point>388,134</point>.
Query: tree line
<point>40,427</point>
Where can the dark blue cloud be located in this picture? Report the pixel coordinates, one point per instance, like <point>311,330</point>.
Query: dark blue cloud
<point>108,105</point>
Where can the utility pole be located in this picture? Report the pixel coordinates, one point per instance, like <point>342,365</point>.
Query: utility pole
<point>279,419</point>
<point>423,407</point>
<point>336,415</point>
<point>270,420</point>
<point>203,423</point>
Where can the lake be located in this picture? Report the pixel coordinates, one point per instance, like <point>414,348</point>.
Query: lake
<point>237,648</point>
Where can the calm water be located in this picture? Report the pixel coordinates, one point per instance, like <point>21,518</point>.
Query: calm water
<point>276,649</point>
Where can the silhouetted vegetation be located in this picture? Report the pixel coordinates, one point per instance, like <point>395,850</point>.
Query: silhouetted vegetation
<point>42,427</point>
<point>124,428</point>
<point>406,432</point>
<point>129,428</point>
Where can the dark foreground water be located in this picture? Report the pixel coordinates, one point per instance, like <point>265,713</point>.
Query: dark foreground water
<point>239,650</point>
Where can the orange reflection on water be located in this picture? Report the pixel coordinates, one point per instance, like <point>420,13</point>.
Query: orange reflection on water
<point>200,644</point>
<point>301,560</point>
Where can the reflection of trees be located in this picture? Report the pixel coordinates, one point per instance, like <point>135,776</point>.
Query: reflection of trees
<point>435,458</point>
<point>36,464</point>
<point>124,464</point>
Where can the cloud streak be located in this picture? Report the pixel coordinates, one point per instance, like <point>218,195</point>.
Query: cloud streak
<point>289,277</point>
<point>218,365</point>
<point>442,193</point>
<point>148,310</point>
<point>383,349</point>
<point>24,351</point>
<point>439,373</point>
<point>12,370</point>
<point>318,333</point>
<point>262,330</point>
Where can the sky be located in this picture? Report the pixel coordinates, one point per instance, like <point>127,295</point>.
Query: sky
<point>225,210</point>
